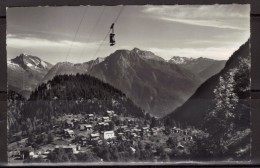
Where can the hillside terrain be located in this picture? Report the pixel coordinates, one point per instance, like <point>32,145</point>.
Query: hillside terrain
<point>76,94</point>
<point>221,107</point>
<point>196,107</point>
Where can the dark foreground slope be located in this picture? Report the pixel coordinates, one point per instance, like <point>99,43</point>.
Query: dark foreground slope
<point>196,107</point>
<point>221,107</point>
<point>15,102</point>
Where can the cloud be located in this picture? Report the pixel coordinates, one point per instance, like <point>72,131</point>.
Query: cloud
<point>219,16</point>
<point>218,53</point>
<point>52,50</point>
<point>33,42</point>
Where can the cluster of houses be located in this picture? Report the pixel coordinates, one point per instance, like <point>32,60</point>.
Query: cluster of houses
<point>91,130</point>
<point>185,134</point>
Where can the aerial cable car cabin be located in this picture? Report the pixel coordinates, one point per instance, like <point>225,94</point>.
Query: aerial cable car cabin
<point>112,36</point>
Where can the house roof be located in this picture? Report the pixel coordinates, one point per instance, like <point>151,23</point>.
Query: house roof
<point>109,132</point>
<point>70,131</point>
<point>94,135</point>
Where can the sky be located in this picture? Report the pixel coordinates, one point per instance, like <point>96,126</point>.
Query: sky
<point>55,34</point>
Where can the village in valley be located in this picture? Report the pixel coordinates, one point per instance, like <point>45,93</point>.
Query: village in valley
<point>77,134</point>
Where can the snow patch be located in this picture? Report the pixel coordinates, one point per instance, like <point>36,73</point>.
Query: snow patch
<point>180,60</point>
<point>35,61</point>
<point>43,64</point>
<point>12,65</point>
<point>29,64</point>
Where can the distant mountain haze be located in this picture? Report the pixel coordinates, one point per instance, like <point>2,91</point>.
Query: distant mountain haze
<point>203,67</point>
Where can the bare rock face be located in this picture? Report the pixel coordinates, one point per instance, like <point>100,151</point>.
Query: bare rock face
<point>151,82</point>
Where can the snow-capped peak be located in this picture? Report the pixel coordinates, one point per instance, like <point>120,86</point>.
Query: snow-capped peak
<point>24,54</point>
<point>26,61</point>
<point>180,60</point>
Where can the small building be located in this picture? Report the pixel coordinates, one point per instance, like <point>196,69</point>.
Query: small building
<point>68,148</point>
<point>185,132</point>
<point>83,141</point>
<point>145,129</point>
<point>105,119</point>
<point>176,130</point>
<point>94,137</point>
<point>87,127</point>
<point>110,113</point>
<point>109,134</point>
<point>154,131</point>
<point>115,115</point>
<point>69,124</point>
<point>26,152</point>
<point>189,138</point>
<point>90,117</point>
<point>123,127</point>
<point>121,136</point>
<point>133,135</point>
<point>69,133</point>
<point>185,139</point>
<point>180,147</point>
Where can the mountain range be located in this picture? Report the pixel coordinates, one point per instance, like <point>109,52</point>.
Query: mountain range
<point>154,84</point>
<point>25,72</point>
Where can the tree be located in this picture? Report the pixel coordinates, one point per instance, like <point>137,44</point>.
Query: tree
<point>50,137</point>
<point>227,109</point>
<point>87,157</point>
<point>147,116</point>
<point>111,125</point>
<point>223,110</point>
<point>172,141</point>
<point>164,157</point>
<point>154,122</point>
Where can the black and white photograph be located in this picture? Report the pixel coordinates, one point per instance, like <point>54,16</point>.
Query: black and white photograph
<point>128,84</point>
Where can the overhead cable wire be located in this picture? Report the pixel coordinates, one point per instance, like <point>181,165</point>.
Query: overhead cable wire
<point>93,30</point>
<point>75,35</point>
<point>119,13</point>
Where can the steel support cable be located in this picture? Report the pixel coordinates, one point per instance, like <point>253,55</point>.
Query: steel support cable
<point>75,35</point>
<point>119,13</point>
<point>93,30</point>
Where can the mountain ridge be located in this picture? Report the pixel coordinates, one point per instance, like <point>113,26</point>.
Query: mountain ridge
<point>203,67</point>
<point>204,94</point>
<point>146,80</point>
<point>25,73</point>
